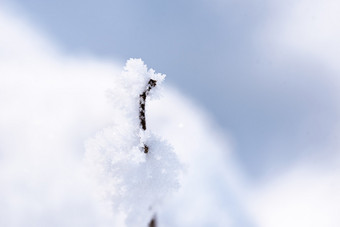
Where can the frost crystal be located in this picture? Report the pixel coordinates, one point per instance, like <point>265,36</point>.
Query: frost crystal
<point>134,182</point>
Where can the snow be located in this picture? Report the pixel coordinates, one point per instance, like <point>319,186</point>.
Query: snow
<point>51,104</point>
<point>135,182</point>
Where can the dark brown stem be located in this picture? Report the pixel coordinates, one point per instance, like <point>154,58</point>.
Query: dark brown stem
<point>153,222</point>
<point>142,99</point>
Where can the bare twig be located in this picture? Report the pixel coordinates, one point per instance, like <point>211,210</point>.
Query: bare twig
<point>142,99</point>
<point>153,222</point>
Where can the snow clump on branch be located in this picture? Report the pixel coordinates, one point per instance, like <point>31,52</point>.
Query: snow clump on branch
<point>132,181</point>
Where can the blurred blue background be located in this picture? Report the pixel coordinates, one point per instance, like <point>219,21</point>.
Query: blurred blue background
<point>278,106</point>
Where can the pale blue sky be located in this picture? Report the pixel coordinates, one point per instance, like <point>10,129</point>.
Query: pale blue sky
<point>208,51</point>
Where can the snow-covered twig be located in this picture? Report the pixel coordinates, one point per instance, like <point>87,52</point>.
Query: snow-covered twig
<point>134,183</point>
<point>142,99</point>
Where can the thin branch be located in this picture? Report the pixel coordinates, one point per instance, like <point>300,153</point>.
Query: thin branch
<point>142,99</point>
<point>153,222</point>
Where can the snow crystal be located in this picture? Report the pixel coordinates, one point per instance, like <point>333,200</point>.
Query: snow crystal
<point>135,183</point>
<point>136,76</point>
